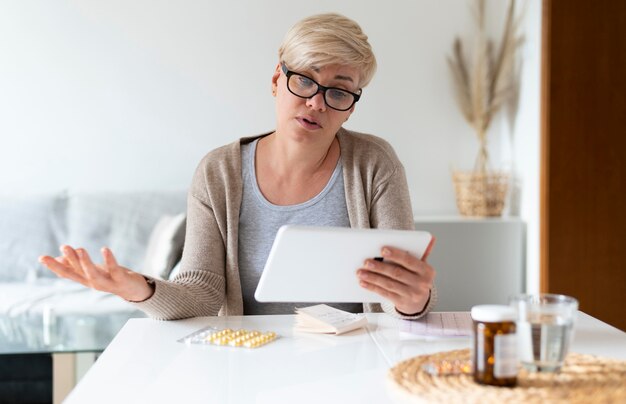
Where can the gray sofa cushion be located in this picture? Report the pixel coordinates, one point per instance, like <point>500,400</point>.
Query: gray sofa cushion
<point>30,226</point>
<point>120,221</point>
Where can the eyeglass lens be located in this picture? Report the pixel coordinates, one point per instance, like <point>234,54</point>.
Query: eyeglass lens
<point>305,87</point>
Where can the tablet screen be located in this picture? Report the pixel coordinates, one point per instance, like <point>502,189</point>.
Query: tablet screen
<point>319,264</point>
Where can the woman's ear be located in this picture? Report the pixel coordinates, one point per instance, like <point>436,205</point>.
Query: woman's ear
<point>275,77</point>
<point>350,111</point>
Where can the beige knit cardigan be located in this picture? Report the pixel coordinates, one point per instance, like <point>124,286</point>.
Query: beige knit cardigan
<point>208,284</point>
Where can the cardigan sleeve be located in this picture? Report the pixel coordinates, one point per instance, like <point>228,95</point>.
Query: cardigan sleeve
<point>199,288</point>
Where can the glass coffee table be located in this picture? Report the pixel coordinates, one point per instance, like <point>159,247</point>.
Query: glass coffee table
<point>43,353</point>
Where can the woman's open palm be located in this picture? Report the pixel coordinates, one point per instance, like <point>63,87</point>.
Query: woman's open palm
<point>75,264</point>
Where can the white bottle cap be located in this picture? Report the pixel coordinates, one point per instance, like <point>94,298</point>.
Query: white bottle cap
<point>492,313</point>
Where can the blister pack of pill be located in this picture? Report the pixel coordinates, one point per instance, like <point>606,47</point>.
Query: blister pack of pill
<point>228,337</point>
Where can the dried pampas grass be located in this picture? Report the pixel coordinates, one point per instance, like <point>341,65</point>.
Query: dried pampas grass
<point>483,87</point>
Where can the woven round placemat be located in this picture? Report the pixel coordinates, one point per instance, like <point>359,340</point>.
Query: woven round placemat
<point>583,379</point>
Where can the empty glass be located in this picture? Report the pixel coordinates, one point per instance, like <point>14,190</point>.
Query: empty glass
<point>545,324</point>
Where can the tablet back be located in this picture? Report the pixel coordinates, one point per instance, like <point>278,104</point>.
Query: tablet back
<point>319,264</point>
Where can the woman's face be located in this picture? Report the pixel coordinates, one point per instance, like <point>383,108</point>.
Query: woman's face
<point>310,119</point>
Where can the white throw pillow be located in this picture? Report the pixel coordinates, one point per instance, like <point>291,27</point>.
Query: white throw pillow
<point>165,246</point>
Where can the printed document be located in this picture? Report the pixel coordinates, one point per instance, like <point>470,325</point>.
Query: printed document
<point>444,324</point>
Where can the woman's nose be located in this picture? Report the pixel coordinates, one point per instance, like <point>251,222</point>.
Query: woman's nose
<point>317,102</point>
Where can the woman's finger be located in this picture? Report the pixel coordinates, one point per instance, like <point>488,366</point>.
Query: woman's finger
<point>407,298</point>
<point>387,294</point>
<point>62,270</point>
<point>92,273</point>
<point>70,256</point>
<point>109,259</point>
<point>402,258</point>
<point>110,263</point>
<point>433,240</point>
<point>409,262</point>
<point>384,282</point>
<point>392,271</point>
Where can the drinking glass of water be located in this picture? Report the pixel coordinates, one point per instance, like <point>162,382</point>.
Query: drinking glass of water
<point>545,324</point>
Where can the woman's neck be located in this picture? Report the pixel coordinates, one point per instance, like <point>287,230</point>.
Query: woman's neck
<point>289,158</point>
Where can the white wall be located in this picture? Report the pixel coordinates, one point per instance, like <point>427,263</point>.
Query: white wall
<point>526,140</point>
<point>121,95</point>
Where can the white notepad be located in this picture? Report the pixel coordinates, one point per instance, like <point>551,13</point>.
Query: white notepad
<point>324,319</point>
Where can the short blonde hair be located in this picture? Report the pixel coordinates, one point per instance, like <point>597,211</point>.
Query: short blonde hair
<point>325,39</point>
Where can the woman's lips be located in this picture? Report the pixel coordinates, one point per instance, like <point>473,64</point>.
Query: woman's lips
<point>308,123</point>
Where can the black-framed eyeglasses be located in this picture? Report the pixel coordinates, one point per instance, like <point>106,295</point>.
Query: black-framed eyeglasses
<point>305,87</point>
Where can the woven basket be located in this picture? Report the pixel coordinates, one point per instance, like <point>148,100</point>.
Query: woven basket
<point>480,193</point>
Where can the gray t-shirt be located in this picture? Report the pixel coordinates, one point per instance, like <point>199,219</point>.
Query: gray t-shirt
<point>259,221</point>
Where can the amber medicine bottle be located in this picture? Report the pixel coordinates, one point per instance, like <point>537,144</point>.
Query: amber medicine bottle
<point>494,345</point>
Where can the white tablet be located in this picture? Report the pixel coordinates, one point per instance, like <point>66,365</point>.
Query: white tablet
<point>319,264</point>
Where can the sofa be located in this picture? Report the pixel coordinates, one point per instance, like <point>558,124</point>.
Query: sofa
<point>145,231</point>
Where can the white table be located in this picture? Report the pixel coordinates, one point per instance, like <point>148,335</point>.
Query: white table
<point>145,364</point>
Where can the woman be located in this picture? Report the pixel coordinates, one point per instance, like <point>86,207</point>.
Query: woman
<point>308,171</point>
